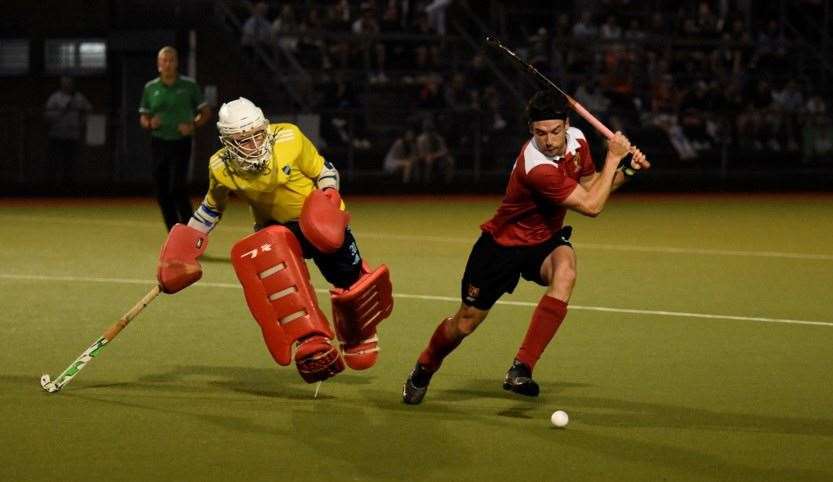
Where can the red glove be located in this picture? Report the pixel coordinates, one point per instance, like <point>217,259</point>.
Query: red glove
<point>178,266</point>
<point>322,220</point>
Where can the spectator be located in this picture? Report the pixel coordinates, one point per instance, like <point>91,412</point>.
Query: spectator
<point>338,17</point>
<point>433,153</point>
<point>585,29</point>
<point>391,25</point>
<point>539,50</point>
<point>455,93</point>
<point>634,32</point>
<point>610,29</point>
<point>285,28</point>
<point>658,26</point>
<point>707,22</point>
<point>664,103</point>
<point>372,51</point>
<point>788,102</point>
<point>65,113</point>
<point>366,24</point>
<point>436,15</point>
<point>341,121</point>
<point>478,74</point>
<point>257,32</point>
<point>426,53</point>
<point>402,156</point>
<point>758,122</point>
<point>694,110</point>
<point>338,22</point>
<point>817,134</point>
<point>592,98</point>
<point>430,94</point>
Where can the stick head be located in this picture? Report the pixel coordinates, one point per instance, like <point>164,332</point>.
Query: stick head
<point>47,384</point>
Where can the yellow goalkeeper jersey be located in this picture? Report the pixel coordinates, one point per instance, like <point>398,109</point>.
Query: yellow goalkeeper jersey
<point>278,193</point>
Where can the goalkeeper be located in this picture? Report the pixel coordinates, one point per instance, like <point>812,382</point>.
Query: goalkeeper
<point>293,196</point>
<point>526,238</point>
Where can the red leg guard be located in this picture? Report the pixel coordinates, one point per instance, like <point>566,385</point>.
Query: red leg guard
<point>276,284</point>
<point>357,311</point>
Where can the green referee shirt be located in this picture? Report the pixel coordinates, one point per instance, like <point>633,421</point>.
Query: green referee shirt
<point>175,104</point>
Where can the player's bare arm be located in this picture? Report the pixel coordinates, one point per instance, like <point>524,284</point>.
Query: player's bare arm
<point>591,201</point>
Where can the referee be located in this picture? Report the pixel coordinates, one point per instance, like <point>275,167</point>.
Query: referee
<point>172,108</point>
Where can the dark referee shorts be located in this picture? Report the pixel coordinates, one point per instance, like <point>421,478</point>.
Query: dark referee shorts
<point>341,268</point>
<point>493,270</point>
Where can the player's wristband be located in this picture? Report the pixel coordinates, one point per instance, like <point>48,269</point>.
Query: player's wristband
<point>626,168</point>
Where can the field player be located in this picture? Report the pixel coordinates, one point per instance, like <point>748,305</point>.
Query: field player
<point>293,196</point>
<point>526,238</point>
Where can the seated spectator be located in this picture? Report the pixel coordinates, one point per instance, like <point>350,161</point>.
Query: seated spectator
<point>788,102</point>
<point>592,98</point>
<point>338,22</point>
<point>391,25</point>
<point>539,50</point>
<point>342,122</point>
<point>372,51</point>
<point>695,107</point>
<point>430,93</point>
<point>285,28</point>
<point>610,29</point>
<point>436,15</point>
<point>634,31</point>
<point>817,134</point>
<point>257,31</point>
<point>585,29</point>
<point>456,93</point>
<point>426,53</point>
<point>664,103</point>
<point>402,156</point>
<point>758,122</point>
<point>433,152</point>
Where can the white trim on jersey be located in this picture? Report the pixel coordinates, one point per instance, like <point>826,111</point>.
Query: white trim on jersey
<point>284,136</point>
<point>534,157</point>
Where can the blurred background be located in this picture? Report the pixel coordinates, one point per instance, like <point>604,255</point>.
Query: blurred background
<point>723,95</point>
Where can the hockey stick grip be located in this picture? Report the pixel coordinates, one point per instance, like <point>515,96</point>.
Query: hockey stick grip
<point>596,123</point>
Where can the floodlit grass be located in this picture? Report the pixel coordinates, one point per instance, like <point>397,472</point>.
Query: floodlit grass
<point>698,347</point>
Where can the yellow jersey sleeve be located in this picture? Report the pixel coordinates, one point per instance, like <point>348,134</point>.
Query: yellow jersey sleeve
<point>310,161</point>
<point>217,196</point>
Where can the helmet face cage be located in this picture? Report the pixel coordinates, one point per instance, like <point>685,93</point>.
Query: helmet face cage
<point>244,132</point>
<point>248,152</point>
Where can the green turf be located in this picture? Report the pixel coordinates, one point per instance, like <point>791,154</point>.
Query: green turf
<point>189,392</point>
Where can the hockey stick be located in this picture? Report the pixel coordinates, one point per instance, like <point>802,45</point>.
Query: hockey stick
<point>574,104</point>
<point>53,386</point>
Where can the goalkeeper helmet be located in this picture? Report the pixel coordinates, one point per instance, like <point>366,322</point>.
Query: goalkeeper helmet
<point>245,135</point>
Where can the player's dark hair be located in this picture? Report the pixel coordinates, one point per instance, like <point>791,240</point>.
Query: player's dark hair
<point>547,105</point>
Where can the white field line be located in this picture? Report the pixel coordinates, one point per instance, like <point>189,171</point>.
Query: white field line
<point>454,240</point>
<point>619,247</point>
<point>679,314</point>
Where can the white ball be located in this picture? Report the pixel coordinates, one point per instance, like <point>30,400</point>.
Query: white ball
<point>559,418</point>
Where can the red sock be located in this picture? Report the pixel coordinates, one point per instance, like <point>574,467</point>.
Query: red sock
<point>546,319</point>
<point>441,344</point>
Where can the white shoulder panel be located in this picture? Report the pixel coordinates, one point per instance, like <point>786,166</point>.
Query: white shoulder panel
<point>534,158</point>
